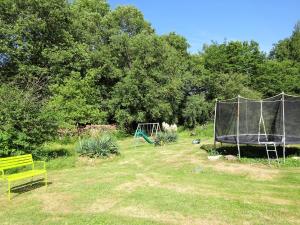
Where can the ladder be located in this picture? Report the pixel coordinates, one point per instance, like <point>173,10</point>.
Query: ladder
<point>271,150</point>
<point>266,142</point>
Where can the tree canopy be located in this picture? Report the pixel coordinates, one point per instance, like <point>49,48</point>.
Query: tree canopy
<point>85,63</point>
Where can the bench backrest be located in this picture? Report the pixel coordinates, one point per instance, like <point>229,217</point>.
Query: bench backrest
<point>15,161</point>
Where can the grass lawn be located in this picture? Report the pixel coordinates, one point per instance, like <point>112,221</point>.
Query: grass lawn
<point>174,184</point>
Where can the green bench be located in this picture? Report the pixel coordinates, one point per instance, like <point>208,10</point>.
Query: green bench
<point>14,162</point>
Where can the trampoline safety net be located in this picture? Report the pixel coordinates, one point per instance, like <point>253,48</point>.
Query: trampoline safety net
<point>245,121</point>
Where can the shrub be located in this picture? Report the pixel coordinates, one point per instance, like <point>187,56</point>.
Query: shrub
<point>165,137</point>
<point>72,102</point>
<point>24,123</point>
<point>99,146</point>
<point>197,110</point>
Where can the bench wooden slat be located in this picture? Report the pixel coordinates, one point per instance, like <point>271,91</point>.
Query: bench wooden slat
<point>15,166</point>
<point>12,158</point>
<point>15,162</point>
<point>23,175</point>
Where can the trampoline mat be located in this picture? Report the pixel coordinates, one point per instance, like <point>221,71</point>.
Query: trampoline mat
<point>257,139</point>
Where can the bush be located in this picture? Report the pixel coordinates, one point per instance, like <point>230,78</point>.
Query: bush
<point>197,110</point>
<point>99,146</point>
<point>72,103</point>
<point>24,123</point>
<point>165,137</point>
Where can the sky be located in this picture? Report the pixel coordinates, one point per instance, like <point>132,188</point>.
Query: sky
<point>200,22</point>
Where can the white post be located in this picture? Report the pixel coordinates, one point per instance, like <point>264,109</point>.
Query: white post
<point>153,125</point>
<point>238,128</point>
<point>215,123</point>
<point>283,126</point>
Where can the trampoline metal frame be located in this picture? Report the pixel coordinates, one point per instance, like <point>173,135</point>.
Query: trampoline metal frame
<point>261,119</point>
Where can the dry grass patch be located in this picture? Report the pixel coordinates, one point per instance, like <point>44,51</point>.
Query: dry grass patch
<point>56,202</point>
<point>276,201</point>
<point>102,205</point>
<point>93,162</point>
<point>139,211</point>
<point>146,181</point>
<point>257,172</point>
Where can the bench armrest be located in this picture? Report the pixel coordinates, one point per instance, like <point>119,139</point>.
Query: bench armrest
<point>40,162</point>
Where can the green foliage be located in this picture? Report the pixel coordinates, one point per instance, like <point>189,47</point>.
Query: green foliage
<point>227,85</point>
<point>163,138</point>
<point>205,131</point>
<point>24,122</point>
<point>99,146</point>
<point>90,64</point>
<point>233,57</point>
<point>73,101</point>
<point>152,87</point>
<point>31,29</point>
<point>271,80</point>
<point>197,110</point>
<point>55,149</point>
<point>289,48</point>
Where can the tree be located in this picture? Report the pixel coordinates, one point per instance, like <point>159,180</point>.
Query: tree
<point>28,30</point>
<point>277,76</point>
<point>178,42</point>
<point>87,26</point>
<point>74,102</point>
<point>125,20</point>
<point>197,110</point>
<point>227,85</point>
<point>233,57</point>
<point>289,48</point>
<point>24,122</point>
<point>151,89</point>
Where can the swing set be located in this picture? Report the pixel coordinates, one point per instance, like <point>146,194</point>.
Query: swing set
<point>148,131</point>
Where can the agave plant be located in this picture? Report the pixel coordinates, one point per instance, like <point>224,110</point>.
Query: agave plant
<point>98,146</point>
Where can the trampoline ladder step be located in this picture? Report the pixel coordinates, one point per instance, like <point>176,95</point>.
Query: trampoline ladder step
<point>272,150</point>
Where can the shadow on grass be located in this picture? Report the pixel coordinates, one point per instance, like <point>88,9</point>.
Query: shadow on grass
<point>29,186</point>
<point>250,151</point>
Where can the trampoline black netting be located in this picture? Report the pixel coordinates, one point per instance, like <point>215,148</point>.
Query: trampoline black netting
<point>245,121</point>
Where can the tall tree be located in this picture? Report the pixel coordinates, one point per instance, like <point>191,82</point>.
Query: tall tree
<point>233,57</point>
<point>289,48</point>
<point>29,29</point>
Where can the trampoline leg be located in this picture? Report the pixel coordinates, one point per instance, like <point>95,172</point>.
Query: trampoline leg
<point>276,156</point>
<point>239,151</point>
<point>268,155</point>
<point>283,153</point>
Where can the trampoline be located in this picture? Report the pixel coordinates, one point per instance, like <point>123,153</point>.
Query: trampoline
<point>274,121</point>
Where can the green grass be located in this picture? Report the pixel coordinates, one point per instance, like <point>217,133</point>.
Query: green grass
<point>171,184</point>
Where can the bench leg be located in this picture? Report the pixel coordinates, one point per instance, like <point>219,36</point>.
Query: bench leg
<point>8,182</point>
